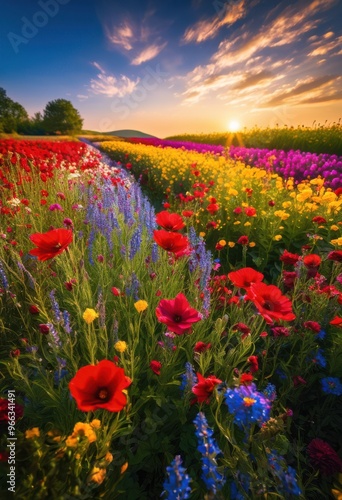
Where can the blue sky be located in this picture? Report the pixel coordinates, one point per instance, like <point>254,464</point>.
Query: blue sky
<point>176,66</point>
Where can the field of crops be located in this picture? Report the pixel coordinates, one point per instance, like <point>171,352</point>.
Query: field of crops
<point>171,321</point>
<point>320,138</point>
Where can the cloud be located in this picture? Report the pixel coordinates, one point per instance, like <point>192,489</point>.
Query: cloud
<point>250,80</point>
<point>110,85</point>
<point>287,27</point>
<point>325,47</point>
<point>313,86</point>
<point>248,65</point>
<point>337,96</point>
<point>139,40</point>
<point>205,29</point>
<point>121,35</point>
<point>148,53</point>
<point>82,97</point>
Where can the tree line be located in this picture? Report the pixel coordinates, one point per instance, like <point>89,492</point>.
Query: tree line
<point>58,117</point>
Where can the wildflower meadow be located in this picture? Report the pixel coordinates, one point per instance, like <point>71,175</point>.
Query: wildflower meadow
<point>171,321</point>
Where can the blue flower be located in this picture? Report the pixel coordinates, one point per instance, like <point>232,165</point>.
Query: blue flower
<point>318,358</point>
<point>209,449</point>
<point>331,385</point>
<point>176,486</point>
<point>285,475</point>
<point>189,378</point>
<point>270,392</point>
<point>248,405</point>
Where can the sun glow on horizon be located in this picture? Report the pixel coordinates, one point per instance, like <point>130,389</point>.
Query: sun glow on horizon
<point>234,126</point>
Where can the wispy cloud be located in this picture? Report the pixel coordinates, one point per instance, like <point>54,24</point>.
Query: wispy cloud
<point>208,28</point>
<point>122,35</point>
<point>257,62</point>
<point>314,90</point>
<point>148,53</point>
<point>110,85</point>
<point>139,40</point>
<point>322,47</point>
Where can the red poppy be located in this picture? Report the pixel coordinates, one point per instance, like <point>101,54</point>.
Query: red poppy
<point>253,360</point>
<point>250,211</point>
<point>33,309</point>
<point>289,278</point>
<point>245,277</point>
<point>246,378</point>
<point>156,367</point>
<point>270,302</point>
<point>168,221</point>
<point>201,347</point>
<point>336,321</point>
<point>323,457</point>
<point>335,255</point>
<point>187,213</point>
<point>319,220</point>
<point>243,240</point>
<point>289,258</point>
<point>100,386</point>
<point>313,326</point>
<point>213,208</point>
<point>172,242</point>
<point>204,388</point>
<point>51,243</point>
<point>312,261</point>
<point>177,314</point>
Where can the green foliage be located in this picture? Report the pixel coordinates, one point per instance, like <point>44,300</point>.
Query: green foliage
<point>12,114</point>
<point>60,117</point>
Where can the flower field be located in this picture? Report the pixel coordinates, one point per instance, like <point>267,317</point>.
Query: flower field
<point>171,324</point>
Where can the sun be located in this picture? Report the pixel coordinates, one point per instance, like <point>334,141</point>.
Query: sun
<point>234,126</point>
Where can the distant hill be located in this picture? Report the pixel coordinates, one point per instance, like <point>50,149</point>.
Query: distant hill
<point>129,133</point>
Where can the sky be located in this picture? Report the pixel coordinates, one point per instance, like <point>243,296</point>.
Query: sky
<point>175,66</point>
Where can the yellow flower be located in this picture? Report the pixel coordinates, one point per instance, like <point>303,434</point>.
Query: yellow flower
<point>202,234</point>
<point>81,430</point>
<point>281,214</point>
<point>120,345</point>
<point>247,224</point>
<point>337,242</point>
<point>108,457</point>
<point>237,222</point>
<point>32,433</point>
<point>231,244</point>
<point>252,244</point>
<point>141,305</point>
<point>89,315</point>
<point>222,243</point>
<point>334,228</point>
<point>95,423</point>
<point>97,475</point>
<point>304,195</point>
<point>286,204</point>
<point>277,237</point>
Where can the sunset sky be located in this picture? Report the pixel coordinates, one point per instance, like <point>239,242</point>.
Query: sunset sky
<point>176,66</point>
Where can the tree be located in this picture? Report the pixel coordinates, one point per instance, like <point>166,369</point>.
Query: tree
<point>60,116</point>
<point>12,114</point>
